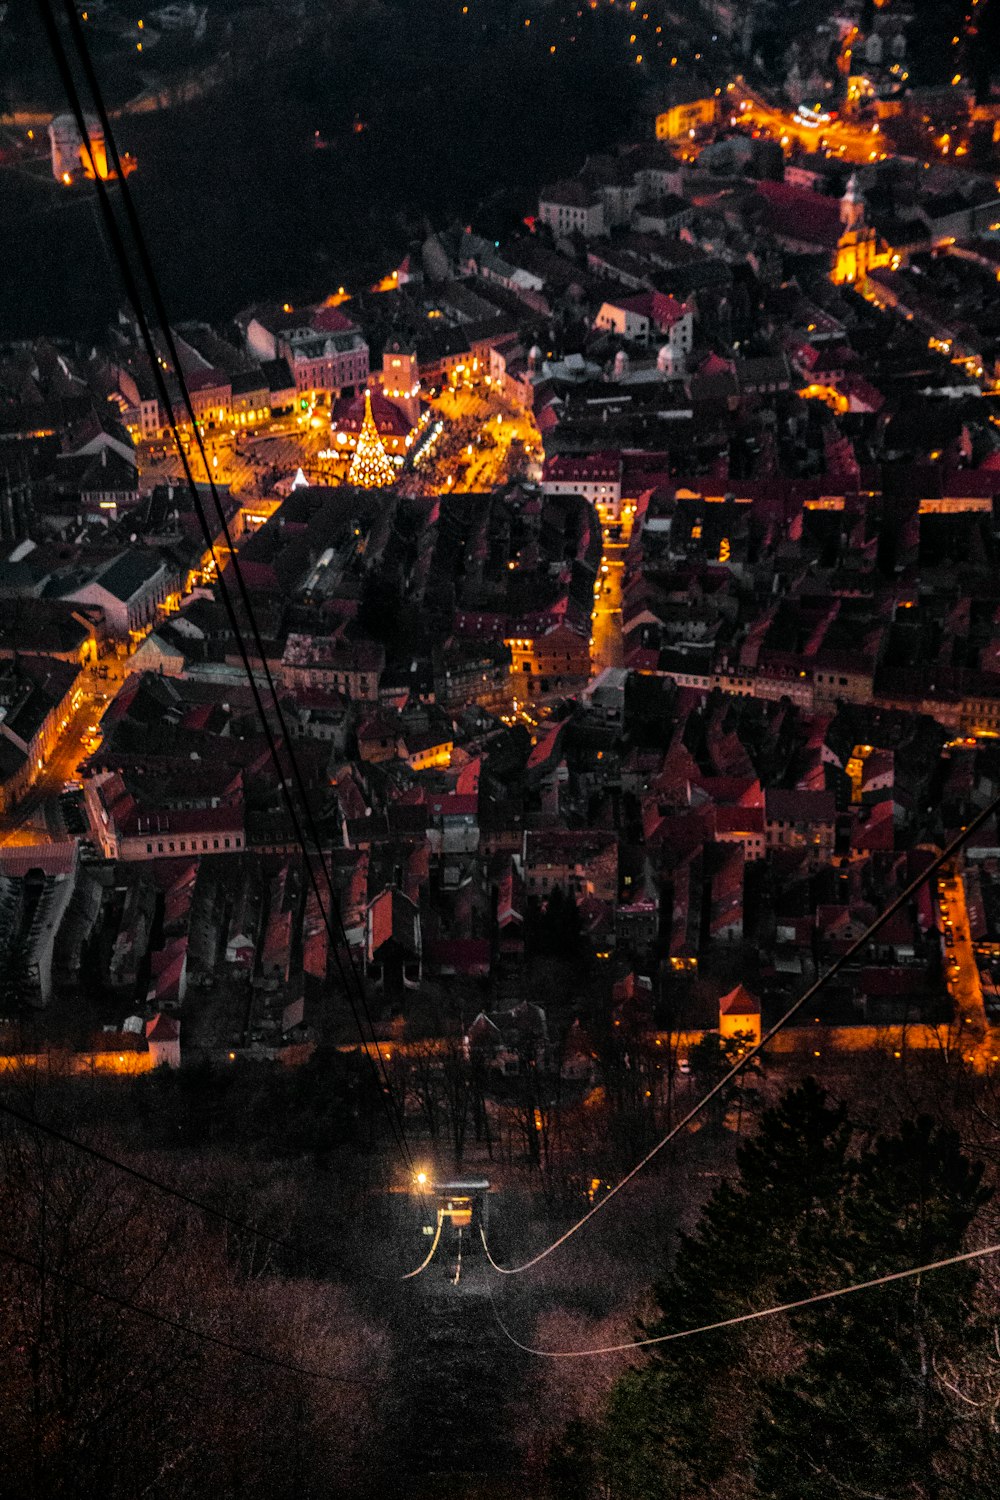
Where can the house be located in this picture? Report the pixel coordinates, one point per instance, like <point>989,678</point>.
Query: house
<point>104,483</point>
<point>46,627</point>
<point>458,958</point>
<point>37,887</point>
<point>327,355</point>
<point>637,923</point>
<point>553,660</point>
<point>280,385</point>
<point>664,214</point>
<point>474,672</point>
<point>742,825</point>
<point>453,824</point>
<point>37,696</point>
<point>327,366</point>
<point>510,1040</point>
<point>330,662</point>
<point>647,316</point>
<point>396,424</point>
<point>211,397</point>
<point>97,432</point>
<point>595,476</point>
<point>393,942</point>
<point>129,590</point>
<point>165,651</point>
<point>572,207</point>
<point>169,975</point>
<point>579,861</point>
<point>427,747</point>
<point>250,398</point>
<point>126,831</point>
<point>510,916</point>
<point>614,179</point>
<point>800,820</point>
<point>685,119</point>
<point>725,919</point>
<point>604,697</point>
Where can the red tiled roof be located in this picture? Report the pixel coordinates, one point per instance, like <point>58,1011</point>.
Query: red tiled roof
<point>455,805</point>
<point>182,820</point>
<point>574,467</point>
<point>331,320</point>
<point>162,1029</point>
<point>799,214</point>
<point>799,807</point>
<point>51,859</point>
<point>348,413</point>
<point>739,820</point>
<point>662,311</point>
<point>739,1002</point>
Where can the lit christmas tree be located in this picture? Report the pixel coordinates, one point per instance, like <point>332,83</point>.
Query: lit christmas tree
<point>371,467</point>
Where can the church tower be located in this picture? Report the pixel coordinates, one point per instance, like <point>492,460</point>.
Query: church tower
<point>852,205</point>
<point>857,249</point>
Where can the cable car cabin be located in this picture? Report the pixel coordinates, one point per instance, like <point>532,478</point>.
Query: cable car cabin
<point>463,1205</point>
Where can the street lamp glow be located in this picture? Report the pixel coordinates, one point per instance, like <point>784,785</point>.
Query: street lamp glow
<point>421,1178</point>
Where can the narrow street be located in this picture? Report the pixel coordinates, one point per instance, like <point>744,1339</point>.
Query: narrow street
<point>607,649</point>
<point>961,965</point>
<point>36,819</point>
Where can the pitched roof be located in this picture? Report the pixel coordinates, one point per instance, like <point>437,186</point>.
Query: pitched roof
<point>162,1029</point>
<point>662,311</point>
<point>569,194</point>
<point>800,214</point>
<point>128,573</point>
<point>799,807</point>
<point>576,467</point>
<point>739,1002</point>
<point>332,320</point>
<point>348,414</point>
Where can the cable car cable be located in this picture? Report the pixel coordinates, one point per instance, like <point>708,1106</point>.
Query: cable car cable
<point>742,1062</point>
<point>135,297</point>
<point>430,1254</point>
<point>750,1317</point>
<point>145,261</point>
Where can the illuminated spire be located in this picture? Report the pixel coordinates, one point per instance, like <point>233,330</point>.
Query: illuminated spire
<point>371,468</point>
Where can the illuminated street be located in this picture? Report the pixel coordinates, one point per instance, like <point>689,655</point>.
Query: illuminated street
<point>37,818</point>
<point>961,966</point>
<point>607,649</point>
<point>840,138</point>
